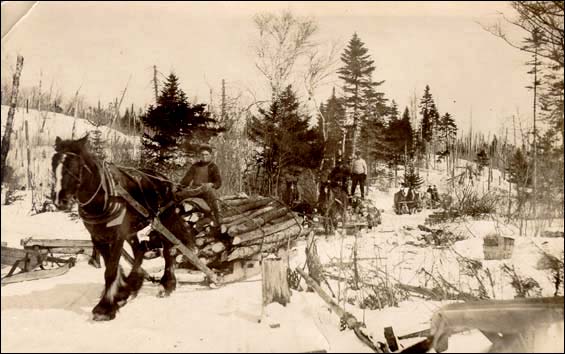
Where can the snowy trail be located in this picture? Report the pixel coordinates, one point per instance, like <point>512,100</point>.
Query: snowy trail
<point>55,314</point>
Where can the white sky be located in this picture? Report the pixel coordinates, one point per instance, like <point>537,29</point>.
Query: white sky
<point>100,45</point>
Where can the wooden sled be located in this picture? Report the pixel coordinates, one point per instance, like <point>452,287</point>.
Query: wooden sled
<point>27,261</point>
<point>63,246</point>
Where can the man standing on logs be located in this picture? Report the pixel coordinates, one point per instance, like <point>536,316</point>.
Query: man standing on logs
<point>358,174</point>
<point>202,180</point>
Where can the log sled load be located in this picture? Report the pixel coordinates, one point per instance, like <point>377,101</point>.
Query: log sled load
<point>248,227</point>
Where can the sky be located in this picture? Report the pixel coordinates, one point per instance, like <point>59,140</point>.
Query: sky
<point>100,47</point>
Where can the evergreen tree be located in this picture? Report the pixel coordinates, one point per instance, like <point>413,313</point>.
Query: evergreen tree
<point>447,130</point>
<point>517,170</point>
<point>97,144</point>
<point>399,138</point>
<point>287,141</point>
<point>482,159</point>
<point>334,111</point>
<point>429,114</point>
<point>411,178</point>
<point>356,74</point>
<point>394,114</point>
<point>518,173</point>
<point>172,126</point>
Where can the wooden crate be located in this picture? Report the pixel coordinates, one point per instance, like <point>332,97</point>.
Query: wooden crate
<point>498,247</point>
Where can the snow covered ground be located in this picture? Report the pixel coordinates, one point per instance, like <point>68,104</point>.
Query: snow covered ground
<point>54,314</point>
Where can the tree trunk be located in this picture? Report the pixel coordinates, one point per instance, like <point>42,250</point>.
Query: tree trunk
<point>247,216</point>
<point>256,235</point>
<point>10,122</point>
<point>236,210</point>
<point>256,222</point>
<point>275,282</point>
<point>266,244</point>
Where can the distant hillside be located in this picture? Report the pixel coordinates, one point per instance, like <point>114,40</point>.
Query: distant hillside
<point>42,141</point>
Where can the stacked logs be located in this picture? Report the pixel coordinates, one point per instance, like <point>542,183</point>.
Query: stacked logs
<point>248,226</point>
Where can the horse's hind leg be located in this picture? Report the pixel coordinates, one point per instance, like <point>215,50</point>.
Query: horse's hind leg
<point>168,280</point>
<point>114,284</point>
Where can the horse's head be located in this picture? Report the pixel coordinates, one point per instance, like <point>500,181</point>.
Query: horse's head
<point>67,164</point>
<point>404,191</point>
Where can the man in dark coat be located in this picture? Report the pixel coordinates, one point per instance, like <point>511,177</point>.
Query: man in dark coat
<point>202,180</point>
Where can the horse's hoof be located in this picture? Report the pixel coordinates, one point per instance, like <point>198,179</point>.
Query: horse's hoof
<point>163,292</point>
<point>103,316</point>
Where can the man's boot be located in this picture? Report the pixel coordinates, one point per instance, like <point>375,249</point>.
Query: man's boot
<point>215,207</point>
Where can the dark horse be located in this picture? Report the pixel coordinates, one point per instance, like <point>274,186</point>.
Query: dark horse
<point>402,201</point>
<point>332,203</point>
<point>111,220</point>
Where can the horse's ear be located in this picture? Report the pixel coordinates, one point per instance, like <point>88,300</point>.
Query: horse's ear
<point>82,141</point>
<point>58,142</point>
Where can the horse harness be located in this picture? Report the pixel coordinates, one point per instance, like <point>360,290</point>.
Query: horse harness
<point>114,209</point>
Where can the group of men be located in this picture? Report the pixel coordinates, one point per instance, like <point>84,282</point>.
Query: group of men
<point>358,173</point>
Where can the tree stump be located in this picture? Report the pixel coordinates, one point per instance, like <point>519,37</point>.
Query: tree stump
<point>275,282</point>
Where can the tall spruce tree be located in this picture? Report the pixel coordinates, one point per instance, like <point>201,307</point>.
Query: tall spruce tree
<point>334,112</point>
<point>174,125</point>
<point>412,178</point>
<point>429,114</point>
<point>393,112</point>
<point>356,74</point>
<point>447,130</point>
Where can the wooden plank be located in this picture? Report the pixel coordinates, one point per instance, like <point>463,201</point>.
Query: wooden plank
<point>500,316</point>
<point>423,333</point>
<point>391,339</point>
<point>157,225</point>
<point>124,194</point>
<point>61,250</point>
<point>349,319</point>
<point>31,242</point>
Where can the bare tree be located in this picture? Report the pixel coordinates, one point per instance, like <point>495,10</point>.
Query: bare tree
<point>9,123</point>
<point>547,17</point>
<point>319,68</point>
<point>283,39</point>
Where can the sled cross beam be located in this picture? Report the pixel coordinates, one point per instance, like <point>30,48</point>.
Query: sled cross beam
<point>158,226</point>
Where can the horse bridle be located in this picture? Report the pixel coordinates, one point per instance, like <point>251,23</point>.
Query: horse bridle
<point>79,178</point>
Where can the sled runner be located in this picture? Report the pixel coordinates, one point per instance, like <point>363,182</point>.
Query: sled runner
<point>28,261</point>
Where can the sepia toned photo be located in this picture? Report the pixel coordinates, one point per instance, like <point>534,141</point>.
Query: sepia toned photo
<point>293,176</point>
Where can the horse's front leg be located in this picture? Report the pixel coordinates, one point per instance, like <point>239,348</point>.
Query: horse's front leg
<point>136,277</point>
<point>114,283</point>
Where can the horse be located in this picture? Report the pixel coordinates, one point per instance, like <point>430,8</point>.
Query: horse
<point>415,201</point>
<point>111,219</point>
<point>402,199</point>
<point>332,204</point>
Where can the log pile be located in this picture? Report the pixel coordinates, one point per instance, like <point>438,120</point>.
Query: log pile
<point>248,226</point>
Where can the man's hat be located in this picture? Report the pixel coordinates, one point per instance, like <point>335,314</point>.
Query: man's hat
<point>205,148</point>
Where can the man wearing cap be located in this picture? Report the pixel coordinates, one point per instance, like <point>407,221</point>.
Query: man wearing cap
<point>358,174</point>
<point>202,179</point>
